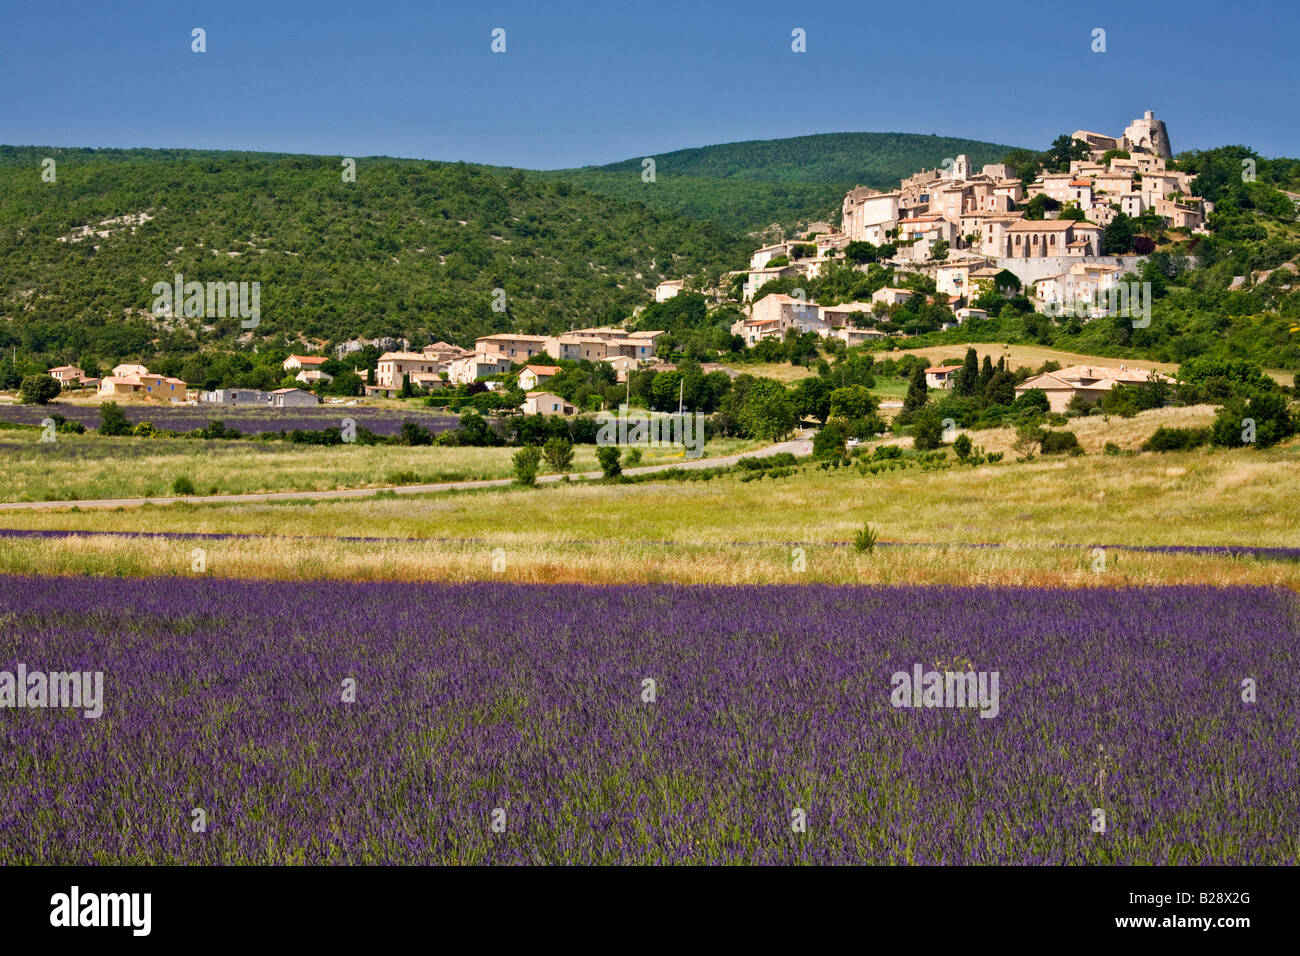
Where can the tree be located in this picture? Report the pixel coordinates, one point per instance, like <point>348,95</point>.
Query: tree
<point>927,429</point>
<point>1262,420</point>
<point>860,253</point>
<point>525,462</point>
<point>968,379</point>
<point>1001,389</point>
<point>559,454</point>
<point>1118,239</point>
<point>1029,439</point>
<point>962,446</point>
<point>10,377</point>
<point>413,433</point>
<point>939,251</point>
<point>917,392</point>
<point>812,398</point>
<point>345,383</point>
<point>112,420</point>
<point>1064,149</point>
<point>1062,442</point>
<point>474,430</point>
<point>607,455</point>
<point>851,402</point>
<point>829,441</point>
<point>766,411</point>
<point>39,389</point>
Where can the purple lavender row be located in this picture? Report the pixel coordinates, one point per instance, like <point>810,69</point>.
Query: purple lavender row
<point>248,421</point>
<point>493,723</point>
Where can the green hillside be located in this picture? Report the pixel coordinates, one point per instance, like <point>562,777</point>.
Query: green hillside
<point>750,185</point>
<point>411,248</point>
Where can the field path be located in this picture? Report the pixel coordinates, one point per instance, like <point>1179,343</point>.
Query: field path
<point>801,445</point>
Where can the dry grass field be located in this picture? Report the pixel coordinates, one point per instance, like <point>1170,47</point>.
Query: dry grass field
<point>1032,356</point>
<point>80,467</point>
<point>1096,431</point>
<point>1044,516</point>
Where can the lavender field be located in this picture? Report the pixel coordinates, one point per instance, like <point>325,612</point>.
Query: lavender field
<point>248,419</point>
<point>531,700</point>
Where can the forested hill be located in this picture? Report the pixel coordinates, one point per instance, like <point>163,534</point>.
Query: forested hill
<point>750,185</point>
<point>411,248</point>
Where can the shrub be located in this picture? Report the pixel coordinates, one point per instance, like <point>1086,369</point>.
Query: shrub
<point>526,461</point>
<point>1265,413</point>
<point>112,420</point>
<point>865,540</point>
<point>828,443</point>
<point>632,458</point>
<point>962,447</point>
<point>1060,443</point>
<point>927,429</point>
<point>1176,439</point>
<point>1028,440</point>
<point>39,389</point>
<point>181,485</point>
<point>413,433</point>
<point>1112,449</point>
<point>216,429</point>
<point>558,453</point>
<point>607,455</point>
<point>144,430</point>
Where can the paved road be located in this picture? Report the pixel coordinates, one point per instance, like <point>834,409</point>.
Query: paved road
<point>801,445</point>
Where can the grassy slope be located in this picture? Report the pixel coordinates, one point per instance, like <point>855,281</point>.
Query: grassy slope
<point>409,248</point>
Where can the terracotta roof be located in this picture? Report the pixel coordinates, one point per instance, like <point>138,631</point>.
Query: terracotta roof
<point>543,369</point>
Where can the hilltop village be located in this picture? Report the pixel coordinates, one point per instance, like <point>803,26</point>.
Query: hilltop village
<point>1061,231</point>
<point>963,228</point>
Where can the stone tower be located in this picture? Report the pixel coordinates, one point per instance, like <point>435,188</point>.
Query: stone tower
<point>1148,134</point>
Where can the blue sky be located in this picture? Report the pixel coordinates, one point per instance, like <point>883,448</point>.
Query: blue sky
<point>594,83</point>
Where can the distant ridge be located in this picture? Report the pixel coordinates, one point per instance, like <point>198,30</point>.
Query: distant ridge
<point>748,185</point>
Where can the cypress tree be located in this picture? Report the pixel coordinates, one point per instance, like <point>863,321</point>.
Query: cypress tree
<point>969,377</point>
<point>917,393</point>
